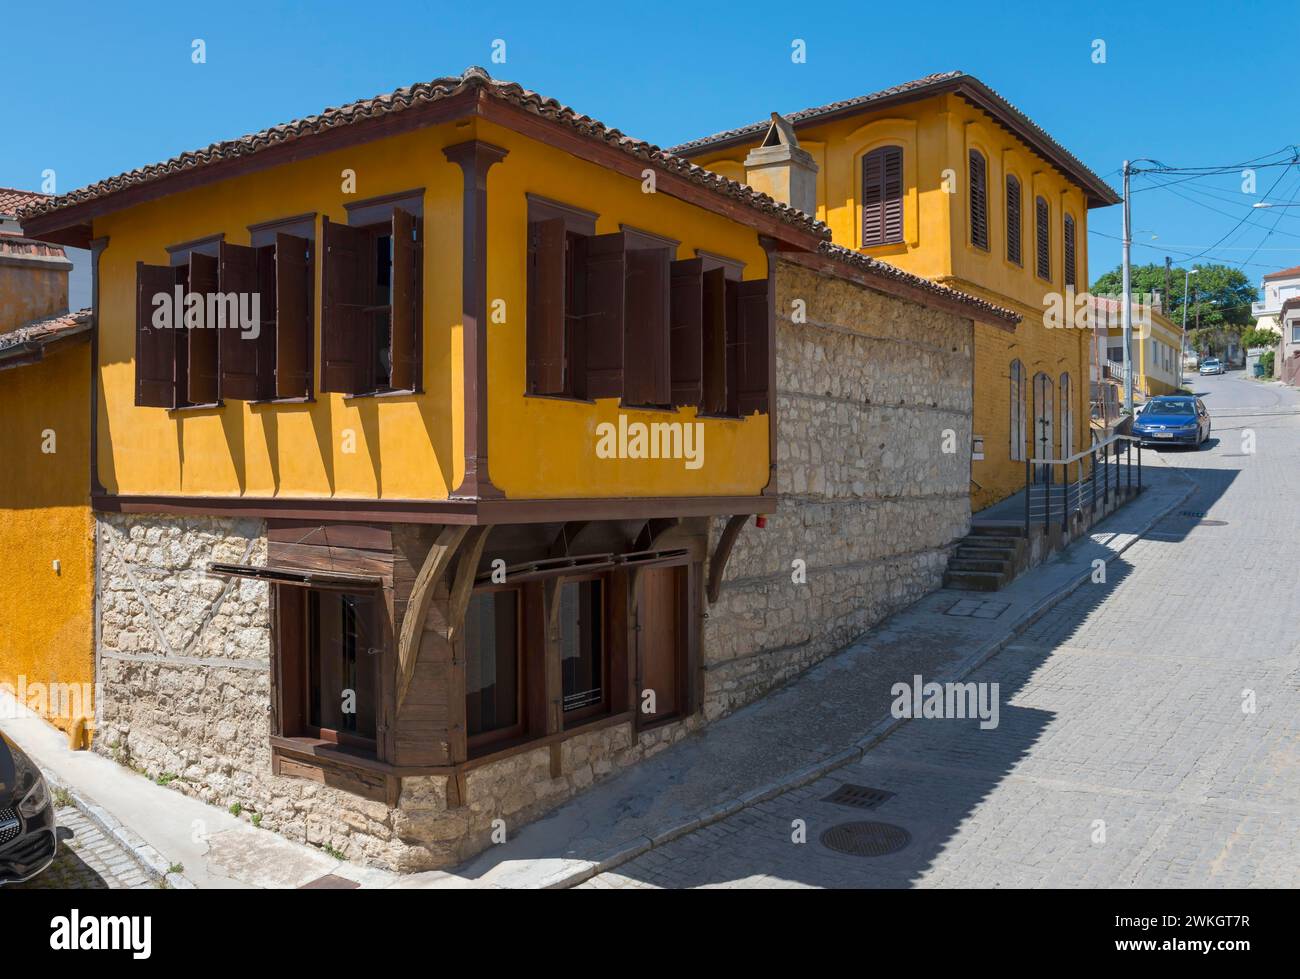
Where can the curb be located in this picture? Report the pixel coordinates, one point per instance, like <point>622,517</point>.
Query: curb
<point>144,854</point>
<point>624,852</point>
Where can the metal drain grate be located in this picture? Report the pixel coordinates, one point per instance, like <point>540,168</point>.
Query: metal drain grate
<point>866,839</point>
<point>1199,517</point>
<point>858,796</point>
<point>1198,514</point>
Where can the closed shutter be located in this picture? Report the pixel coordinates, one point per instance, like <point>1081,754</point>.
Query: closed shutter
<point>979,201</point>
<point>293,321</point>
<point>646,328</point>
<point>346,262</point>
<point>714,289</point>
<point>406,301</point>
<point>752,310</point>
<point>1042,239</point>
<point>204,356</point>
<point>687,337</point>
<point>1013,221</point>
<point>605,262</point>
<point>239,361</point>
<point>1068,242</point>
<point>546,313</point>
<point>882,196</point>
<point>155,349</point>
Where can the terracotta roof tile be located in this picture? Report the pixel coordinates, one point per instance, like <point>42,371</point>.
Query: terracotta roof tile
<point>11,200</point>
<point>47,329</point>
<point>990,100</point>
<point>420,94</point>
<point>1285,273</point>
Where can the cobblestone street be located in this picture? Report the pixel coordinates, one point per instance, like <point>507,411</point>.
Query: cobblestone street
<point>88,861</point>
<point>1128,752</point>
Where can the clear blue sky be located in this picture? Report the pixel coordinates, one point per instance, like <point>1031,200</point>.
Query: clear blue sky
<point>96,89</point>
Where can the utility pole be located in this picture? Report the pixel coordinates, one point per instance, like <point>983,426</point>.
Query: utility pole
<point>1127,309</point>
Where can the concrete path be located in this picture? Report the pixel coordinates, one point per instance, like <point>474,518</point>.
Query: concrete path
<point>823,720</point>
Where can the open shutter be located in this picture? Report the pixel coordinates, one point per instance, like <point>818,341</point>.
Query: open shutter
<point>293,296</point>
<point>545,324</point>
<point>155,349</point>
<point>406,302</point>
<point>605,261</point>
<point>239,353</point>
<point>344,347</point>
<point>204,360</point>
<point>752,360</point>
<point>646,329</point>
<point>687,338</point>
<point>714,289</point>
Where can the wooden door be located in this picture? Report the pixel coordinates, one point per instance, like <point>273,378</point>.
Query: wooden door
<point>661,649</point>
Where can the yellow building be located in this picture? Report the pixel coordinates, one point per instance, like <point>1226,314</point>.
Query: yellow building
<point>46,529</point>
<point>412,422</point>
<point>944,178</point>
<point>1156,346</point>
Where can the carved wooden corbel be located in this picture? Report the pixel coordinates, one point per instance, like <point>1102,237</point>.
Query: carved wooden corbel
<point>471,553</point>
<point>718,562</point>
<point>436,563</point>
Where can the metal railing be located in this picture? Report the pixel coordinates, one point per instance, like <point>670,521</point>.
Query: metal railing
<point>1083,490</point>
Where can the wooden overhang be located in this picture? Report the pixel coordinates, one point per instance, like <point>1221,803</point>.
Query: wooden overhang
<point>301,577</point>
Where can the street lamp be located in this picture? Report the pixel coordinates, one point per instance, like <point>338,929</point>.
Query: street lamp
<point>1182,354</point>
<point>1265,204</point>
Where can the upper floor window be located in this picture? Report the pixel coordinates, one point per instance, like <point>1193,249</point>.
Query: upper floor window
<point>372,297</point>
<point>615,316</point>
<point>1068,244</point>
<point>979,201</point>
<point>1043,239</point>
<point>1013,221</point>
<point>882,196</point>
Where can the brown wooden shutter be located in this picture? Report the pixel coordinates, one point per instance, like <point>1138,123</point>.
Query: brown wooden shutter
<point>882,196</point>
<point>545,330</point>
<point>155,349</point>
<point>1013,221</point>
<point>204,357</point>
<point>293,320</point>
<point>646,376</point>
<point>893,210</point>
<point>714,290</point>
<point>1068,241</point>
<point>687,338</point>
<point>1042,236</point>
<point>239,355</point>
<point>345,357</point>
<point>752,311</point>
<point>406,302</point>
<point>979,201</point>
<point>605,260</point>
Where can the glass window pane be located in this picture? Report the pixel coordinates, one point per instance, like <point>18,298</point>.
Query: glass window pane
<point>582,643</point>
<point>341,665</point>
<point>492,662</point>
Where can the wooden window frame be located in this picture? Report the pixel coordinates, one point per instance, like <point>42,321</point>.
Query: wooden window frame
<point>578,225</point>
<point>180,260</point>
<point>486,742</point>
<point>584,715</point>
<point>265,235</point>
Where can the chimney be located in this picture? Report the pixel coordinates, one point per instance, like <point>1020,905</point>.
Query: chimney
<point>779,168</point>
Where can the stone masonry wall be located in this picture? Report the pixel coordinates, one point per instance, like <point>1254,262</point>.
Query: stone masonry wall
<point>184,663</point>
<point>867,387</point>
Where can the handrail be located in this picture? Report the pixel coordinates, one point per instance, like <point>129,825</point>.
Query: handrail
<point>1084,452</point>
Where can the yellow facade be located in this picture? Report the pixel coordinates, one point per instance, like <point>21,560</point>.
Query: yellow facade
<point>407,447</point>
<point>46,634</point>
<point>936,135</point>
<point>1156,352</point>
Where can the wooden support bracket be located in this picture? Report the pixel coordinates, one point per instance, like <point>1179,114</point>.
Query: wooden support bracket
<point>436,563</point>
<point>718,562</point>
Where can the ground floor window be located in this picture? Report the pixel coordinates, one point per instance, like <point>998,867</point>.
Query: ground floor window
<point>583,648</point>
<point>494,682</point>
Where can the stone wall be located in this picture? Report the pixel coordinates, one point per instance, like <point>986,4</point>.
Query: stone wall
<point>184,665</point>
<point>871,390</point>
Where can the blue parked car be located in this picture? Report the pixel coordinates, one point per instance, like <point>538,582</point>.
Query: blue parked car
<point>1173,419</point>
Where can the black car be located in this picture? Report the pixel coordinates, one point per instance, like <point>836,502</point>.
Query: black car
<point>1173,419</point>
<point>28,836</point>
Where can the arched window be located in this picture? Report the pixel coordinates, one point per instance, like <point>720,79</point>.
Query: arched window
<point>979,201</point>
<point>1017,402</point>
<point>1068,242</point>
<point>882,196</point>
<point>1043,238</point>
<point>1044,435</point>
<point>1013,221</point>
<point>1067,417</point>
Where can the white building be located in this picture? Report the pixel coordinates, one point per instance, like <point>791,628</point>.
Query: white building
<point>1279,311</point>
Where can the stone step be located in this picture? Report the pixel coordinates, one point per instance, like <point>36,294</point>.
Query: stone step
<point>998,529</point>
<point>973,580</point>
<point>985,540</point>
<point>1007,554</point>
<point>961,563</point>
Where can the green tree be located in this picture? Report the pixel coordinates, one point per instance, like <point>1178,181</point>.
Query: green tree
<point>1255,337</point>
<point>1220,294</point>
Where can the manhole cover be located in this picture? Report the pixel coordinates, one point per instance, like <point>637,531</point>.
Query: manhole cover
<point>866,839</point>
<point>858,796</point>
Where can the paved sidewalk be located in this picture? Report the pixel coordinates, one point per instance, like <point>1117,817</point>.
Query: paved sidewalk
<point>90,861</point>
<point>821,721</point>
<point>190,843</point>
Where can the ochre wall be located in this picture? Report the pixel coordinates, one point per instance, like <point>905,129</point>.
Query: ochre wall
<point>45,616</point>
<point>407,447</point>
<point>30,289</point>
<point>936,135</point>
